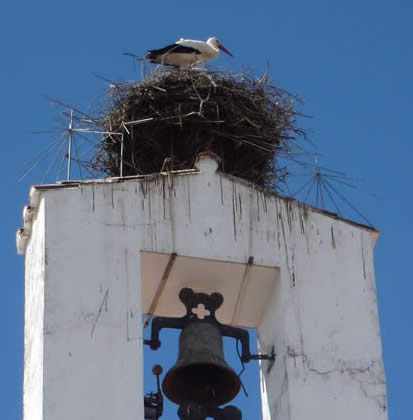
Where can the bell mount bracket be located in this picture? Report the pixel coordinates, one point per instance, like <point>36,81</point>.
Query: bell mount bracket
<point>211,303</point>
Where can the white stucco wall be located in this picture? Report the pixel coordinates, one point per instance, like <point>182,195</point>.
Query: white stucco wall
<point>33,320</point>
<point>327,337</point>
<point>321,319</point>
<point>92,329</point>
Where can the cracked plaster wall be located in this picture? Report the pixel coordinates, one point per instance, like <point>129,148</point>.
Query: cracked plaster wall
<point>323,320</point>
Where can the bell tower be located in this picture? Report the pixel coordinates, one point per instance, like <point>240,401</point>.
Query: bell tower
<point>203,245</point>
<point>101,253</point>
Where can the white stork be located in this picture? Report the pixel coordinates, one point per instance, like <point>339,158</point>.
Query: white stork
<point>187,52</point>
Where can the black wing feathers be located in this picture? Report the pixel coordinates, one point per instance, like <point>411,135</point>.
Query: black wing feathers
<point>155,54</point>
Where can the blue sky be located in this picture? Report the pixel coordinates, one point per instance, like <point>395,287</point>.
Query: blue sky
<point>351,62</point>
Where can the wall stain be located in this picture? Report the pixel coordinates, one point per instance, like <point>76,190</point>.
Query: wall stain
<point>222,190</point>
<point>287,257</point>
<point>164,199</point>
<point>234,212</point>
<point>362,256</point>
<point>258,205</point>
<point>93,197</point>
<point>189,200</point>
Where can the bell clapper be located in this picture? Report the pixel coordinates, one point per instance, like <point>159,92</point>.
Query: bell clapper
<point>153,402</point>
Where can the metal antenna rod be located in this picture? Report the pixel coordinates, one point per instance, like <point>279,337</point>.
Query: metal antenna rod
<point>319,181</point>
<point>69,152</point>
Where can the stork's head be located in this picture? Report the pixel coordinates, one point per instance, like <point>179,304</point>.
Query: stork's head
<point>214,43</point>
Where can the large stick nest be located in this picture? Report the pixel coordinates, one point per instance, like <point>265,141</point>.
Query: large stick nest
<point>167,119</point>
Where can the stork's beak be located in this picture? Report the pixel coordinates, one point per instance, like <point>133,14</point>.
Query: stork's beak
<point>221,47</point>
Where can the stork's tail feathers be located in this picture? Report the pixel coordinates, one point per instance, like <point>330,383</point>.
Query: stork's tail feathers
<point>152,55</point>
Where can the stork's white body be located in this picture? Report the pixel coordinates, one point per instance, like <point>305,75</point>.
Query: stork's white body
<point>208,51</point>
<point>187,52</point>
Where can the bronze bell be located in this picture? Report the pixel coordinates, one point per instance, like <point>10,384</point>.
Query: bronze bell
<point>201,374</point>
<point>201,377</point>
